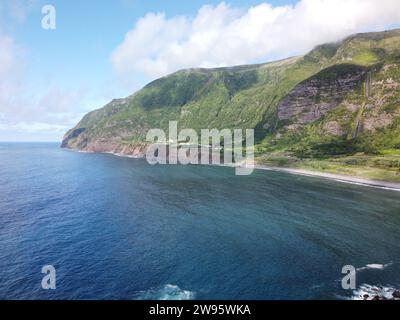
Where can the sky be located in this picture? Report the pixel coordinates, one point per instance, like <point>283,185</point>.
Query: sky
<point>101,50</point>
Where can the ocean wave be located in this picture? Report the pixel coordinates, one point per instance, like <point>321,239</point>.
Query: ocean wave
<point>167,292</point>
<point>375,266</point>
<point>370,292</point>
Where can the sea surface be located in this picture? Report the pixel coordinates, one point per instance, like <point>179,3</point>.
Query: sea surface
<point>119,228</point>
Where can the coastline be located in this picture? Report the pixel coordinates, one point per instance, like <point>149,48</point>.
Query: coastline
<point>337,177</point>
<point>386,185</point>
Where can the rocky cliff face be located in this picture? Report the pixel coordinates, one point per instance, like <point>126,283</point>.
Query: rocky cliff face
<point>314,98</point>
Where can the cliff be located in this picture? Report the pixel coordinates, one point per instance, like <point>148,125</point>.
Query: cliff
<point>339,100</point>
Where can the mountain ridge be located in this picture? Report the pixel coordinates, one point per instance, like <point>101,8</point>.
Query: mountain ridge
<point>334,109</point>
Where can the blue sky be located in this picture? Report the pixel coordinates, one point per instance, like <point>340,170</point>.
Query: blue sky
<point>107,49</point>
<point>87,32</point>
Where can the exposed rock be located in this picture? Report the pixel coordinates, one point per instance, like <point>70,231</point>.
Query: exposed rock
<point>294,127</point>
<point>72,134</point>
<point>352,107</point>
<point>314,98</point>
<point>334,128</point>
<point>373,122</point>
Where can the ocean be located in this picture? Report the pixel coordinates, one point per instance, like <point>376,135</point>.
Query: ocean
<point>119,228</point>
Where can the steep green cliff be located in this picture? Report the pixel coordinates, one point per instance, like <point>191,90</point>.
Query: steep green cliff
<point>336,109</point>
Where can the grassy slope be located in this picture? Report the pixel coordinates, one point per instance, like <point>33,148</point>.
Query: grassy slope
<point>238,97</point>
<point>249,96</point>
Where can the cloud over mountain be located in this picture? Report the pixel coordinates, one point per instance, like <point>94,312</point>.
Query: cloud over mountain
<point>223,35</point>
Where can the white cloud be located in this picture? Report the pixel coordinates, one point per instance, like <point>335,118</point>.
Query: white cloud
<point>33,127</point>
<point>18,10</point>
<point>10,65</point>
<point>28,112</point>
<point>52,111</point>
<point>222,35</point>
<point>7,56</point>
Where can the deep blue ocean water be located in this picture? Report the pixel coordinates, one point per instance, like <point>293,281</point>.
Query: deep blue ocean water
<point>118,228</point>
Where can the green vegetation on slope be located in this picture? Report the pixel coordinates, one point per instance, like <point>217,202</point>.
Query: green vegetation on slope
<point>336,109</point>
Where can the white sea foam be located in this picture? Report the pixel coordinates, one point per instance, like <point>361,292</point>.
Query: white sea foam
<point>370,292</point>
<point>375,266</point>
<point>167,292</point>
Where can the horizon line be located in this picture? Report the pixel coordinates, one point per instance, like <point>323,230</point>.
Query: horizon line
<point>21,141</point>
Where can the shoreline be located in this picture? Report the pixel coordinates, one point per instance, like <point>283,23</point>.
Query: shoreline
<point>386,185</point>
<point>336,177</point>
